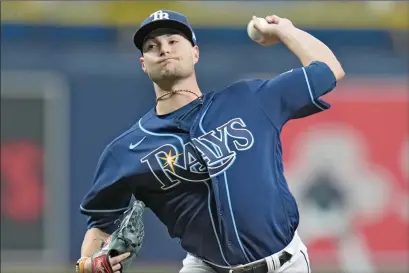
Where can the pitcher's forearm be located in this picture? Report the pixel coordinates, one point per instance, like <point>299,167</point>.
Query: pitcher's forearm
<point>93,240</point>
<point>308,49</point>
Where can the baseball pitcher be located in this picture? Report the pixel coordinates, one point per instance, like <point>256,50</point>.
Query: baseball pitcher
<point>208,164</point>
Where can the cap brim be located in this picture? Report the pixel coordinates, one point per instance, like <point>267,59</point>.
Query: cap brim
<point>142,32</point>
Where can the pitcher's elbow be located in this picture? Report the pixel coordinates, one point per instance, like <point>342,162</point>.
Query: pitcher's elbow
<point>339,72</point>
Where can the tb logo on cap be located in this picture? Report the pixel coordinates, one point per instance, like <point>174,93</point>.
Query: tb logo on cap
<point>159,15</point>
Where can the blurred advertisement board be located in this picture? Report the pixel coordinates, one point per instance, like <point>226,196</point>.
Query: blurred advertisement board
<point>33,140</point>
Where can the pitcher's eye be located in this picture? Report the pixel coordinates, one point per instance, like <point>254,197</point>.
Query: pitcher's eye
<point>149,47</point>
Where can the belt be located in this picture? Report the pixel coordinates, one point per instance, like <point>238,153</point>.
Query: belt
<point>260,267</point>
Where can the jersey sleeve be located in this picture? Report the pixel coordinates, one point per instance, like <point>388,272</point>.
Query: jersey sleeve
<point>296,93</point>
<point>109,195</point>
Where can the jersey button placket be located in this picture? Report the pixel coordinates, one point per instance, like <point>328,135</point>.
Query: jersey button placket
<point>215,183</point>
<point>219,208</point>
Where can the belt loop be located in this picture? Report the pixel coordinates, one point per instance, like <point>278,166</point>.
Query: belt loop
<point>276,260</point>
<point>272,265</point>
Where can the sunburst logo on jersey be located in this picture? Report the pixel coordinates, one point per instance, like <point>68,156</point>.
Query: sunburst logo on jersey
<point>170,160</point>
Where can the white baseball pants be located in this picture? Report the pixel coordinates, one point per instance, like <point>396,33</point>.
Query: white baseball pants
<point>299,263</point>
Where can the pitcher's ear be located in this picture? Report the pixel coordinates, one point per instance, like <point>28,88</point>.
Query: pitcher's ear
<point>142,60</point>
<point>196,54</point>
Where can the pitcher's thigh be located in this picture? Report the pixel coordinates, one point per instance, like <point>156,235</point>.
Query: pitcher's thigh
<point>192,264</point>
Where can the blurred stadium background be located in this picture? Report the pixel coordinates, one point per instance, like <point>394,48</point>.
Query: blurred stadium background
<point>71,81</point>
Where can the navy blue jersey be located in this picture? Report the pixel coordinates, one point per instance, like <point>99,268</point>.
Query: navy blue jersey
<point>212,172</point>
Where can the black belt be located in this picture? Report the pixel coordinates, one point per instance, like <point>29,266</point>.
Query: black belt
<point>260,267</point>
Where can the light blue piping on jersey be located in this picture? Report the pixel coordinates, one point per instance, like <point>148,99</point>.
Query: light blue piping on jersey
<point>213,225</point>
<point>156,134</point>
<point>207,185</point>
<point>208,199</point>
<point>310,91</point>
<point>228,195</point>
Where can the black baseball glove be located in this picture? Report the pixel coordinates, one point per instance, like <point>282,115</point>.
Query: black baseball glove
<point>127,238</point>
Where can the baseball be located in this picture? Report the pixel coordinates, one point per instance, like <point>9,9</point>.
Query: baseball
<point>253,33</point>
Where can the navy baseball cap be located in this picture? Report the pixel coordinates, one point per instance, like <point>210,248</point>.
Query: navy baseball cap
<point>164,19</point>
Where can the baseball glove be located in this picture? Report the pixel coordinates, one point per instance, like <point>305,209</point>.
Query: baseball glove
<point>127,238</point>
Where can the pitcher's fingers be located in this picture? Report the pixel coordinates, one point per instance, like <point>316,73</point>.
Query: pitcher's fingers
<point>119,258</point>
<point>273,19</point>
<point>256,23</point>
<point>117,267</point>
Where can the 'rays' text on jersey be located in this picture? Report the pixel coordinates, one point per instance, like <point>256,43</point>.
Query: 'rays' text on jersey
<point>201,158</point>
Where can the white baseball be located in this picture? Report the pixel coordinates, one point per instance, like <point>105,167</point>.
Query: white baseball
<point>253,33</point>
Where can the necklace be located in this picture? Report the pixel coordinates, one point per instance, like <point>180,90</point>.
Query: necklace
<point>179,90</point>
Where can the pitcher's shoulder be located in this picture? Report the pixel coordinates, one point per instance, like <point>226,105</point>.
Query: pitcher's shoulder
<point>237,88</point>
<point>126,138</point>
